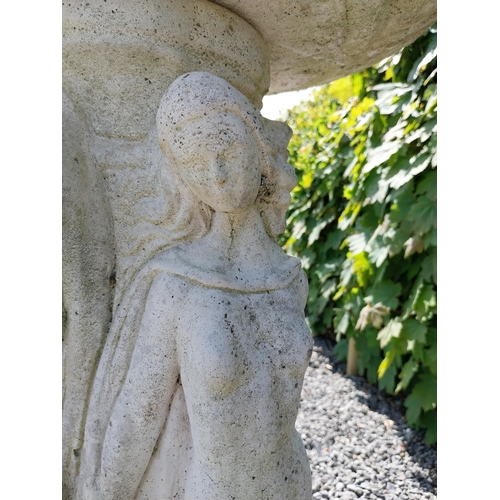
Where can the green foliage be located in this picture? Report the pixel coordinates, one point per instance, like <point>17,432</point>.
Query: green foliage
<point>363,220</point>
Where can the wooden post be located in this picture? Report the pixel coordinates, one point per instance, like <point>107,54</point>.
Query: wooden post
<point>352,358</point>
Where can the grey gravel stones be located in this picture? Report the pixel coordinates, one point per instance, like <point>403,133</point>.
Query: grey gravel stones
<point>356,438</point>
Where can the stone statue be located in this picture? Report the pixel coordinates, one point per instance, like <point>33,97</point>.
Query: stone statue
<point>198,385</point>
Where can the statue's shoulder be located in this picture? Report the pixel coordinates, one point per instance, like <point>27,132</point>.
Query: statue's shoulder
<point>174,267</point>
<point>172,276</point>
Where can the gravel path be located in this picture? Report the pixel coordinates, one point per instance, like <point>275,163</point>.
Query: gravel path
<point>358,443</point>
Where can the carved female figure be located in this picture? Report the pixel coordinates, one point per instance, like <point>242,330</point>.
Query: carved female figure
<point>199,383</point>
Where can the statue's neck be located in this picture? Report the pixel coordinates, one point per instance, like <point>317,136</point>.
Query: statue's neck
<point>237,247</point>
<point>240,238</point>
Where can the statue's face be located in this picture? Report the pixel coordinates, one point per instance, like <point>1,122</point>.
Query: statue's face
<point>219,160</point>
<point>278,180</point>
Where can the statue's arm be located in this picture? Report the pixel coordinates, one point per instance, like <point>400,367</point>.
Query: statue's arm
<point>143,404</point>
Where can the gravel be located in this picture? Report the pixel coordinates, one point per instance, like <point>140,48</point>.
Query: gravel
<point>356,438</point>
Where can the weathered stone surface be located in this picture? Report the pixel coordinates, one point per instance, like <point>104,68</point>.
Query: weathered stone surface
<point>87,288</point>
<point>140,220</point>
<point>119,56</point>
<point>198,386</point>
<point>118,59</point>
<point>315,42</point>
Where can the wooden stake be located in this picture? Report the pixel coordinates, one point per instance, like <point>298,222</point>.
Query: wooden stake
<point>352,358</point>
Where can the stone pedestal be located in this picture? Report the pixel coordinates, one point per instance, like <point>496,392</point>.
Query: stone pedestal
<point>119,58</point>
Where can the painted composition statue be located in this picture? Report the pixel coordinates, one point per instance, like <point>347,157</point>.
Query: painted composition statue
<point>198,386</point>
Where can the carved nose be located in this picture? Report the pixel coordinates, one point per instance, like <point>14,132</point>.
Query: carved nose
<point>220,178</point>
<point>288,175</point>
<point>220,173</point>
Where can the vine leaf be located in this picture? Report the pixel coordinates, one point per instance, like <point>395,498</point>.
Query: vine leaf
<point>414,244</point>
<point>426,391</point>
<point>423,214</point>
<point>380,155</point>
<point>414,330</point>
<point>392,329</point>
<point>409,369</point>
<point>372,315</point>
<point>384,291</point>
<point>413,408</point>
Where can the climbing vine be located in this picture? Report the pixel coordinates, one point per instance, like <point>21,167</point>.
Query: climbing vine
<point>363,221</point>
